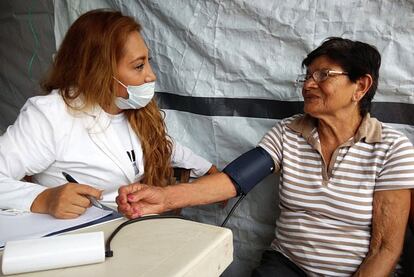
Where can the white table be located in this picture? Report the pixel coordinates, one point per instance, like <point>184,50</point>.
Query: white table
<point>160,247</point>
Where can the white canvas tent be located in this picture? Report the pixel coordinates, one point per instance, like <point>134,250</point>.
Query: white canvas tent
<point>226,72</point>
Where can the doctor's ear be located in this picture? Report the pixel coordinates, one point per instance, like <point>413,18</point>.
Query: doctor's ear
<point>364,83</point>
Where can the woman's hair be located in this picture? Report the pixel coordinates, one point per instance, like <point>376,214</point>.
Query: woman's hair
<point>84,67</point>
<point>355,57</point>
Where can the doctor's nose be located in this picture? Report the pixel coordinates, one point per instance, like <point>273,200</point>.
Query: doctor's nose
<point>150,76</point>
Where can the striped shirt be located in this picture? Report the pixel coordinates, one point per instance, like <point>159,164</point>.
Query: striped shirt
<point>326,210</point>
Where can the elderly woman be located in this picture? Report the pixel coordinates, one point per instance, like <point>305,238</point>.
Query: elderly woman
<point>98,122</point>
<point>345,177</point>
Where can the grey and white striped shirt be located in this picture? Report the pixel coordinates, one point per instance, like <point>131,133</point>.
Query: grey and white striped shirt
<point>326,210</point>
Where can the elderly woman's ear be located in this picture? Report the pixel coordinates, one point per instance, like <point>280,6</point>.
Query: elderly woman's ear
<point>364,83</point>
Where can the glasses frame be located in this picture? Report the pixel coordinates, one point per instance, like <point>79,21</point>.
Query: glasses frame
<point>319,75</point>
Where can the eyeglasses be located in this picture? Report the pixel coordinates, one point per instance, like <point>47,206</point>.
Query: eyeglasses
<point>319,75</point>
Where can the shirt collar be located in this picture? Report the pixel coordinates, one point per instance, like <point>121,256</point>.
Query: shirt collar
<point>370,129</point>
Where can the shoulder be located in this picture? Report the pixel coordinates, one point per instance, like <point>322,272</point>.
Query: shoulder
<point>276,133</point>
<point>395,141</point>
<point>296,119</point>
<point>51,103</point>
<point>388,133</point>
<point>49,108</point>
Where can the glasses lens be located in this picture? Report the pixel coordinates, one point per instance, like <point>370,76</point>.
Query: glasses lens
<point>320,75</point>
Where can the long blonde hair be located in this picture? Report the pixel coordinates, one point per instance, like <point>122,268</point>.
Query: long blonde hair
<point>84,66</point>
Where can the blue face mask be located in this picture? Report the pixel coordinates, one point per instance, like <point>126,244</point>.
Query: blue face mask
<point>138,96</point>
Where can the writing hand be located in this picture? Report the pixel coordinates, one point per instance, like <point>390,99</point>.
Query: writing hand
<point>66,201</point>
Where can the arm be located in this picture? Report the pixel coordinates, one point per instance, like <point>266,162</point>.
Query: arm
<point>239,177</point>
<point>185,158</point>
<point>208,189</point>
<point>28,147</point>
<point>389,220</point>
<point>137,199</point>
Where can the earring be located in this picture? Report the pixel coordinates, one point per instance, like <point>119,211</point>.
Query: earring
<point>354,98</point>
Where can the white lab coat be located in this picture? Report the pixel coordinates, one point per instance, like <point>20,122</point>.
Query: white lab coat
<point>48,138</point>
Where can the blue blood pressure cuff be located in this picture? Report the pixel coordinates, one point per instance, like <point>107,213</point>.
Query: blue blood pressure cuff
<point>249,169</point>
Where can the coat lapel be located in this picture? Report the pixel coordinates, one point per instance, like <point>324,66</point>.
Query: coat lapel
<point>136,145</point>
<point>103,135</point>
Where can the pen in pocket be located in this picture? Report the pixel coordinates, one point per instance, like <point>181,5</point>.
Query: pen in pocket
<point>12,212</point>
<point>91,198</point>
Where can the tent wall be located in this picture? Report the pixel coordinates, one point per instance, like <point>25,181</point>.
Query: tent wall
<point>27,42</point>
<point>226,72</point>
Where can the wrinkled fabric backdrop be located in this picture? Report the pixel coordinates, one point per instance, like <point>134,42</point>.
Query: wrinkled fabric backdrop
<point>226,74</point>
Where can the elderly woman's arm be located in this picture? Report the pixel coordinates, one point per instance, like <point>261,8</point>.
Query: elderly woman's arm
<point>390,214</point>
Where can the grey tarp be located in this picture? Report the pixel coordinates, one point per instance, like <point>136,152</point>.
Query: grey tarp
<point>226,72</point>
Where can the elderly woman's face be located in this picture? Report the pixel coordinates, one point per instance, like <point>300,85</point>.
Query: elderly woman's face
<point>134,67</point>
<point>329,97</point>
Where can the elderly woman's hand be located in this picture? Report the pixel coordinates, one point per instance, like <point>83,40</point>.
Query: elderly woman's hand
<point>137,199</point>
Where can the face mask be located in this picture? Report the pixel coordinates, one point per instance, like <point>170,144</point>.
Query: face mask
<point>138,96</point>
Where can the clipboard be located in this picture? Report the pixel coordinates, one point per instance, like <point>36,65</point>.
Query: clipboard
<point>114,215</point>
<point>33,225</point>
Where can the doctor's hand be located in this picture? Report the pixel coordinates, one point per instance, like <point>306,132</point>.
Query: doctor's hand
<point>65,201</point>
<point>136,200</point>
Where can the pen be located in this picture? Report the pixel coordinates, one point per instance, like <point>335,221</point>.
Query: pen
<point>11,212</point>
<point>91,198</point>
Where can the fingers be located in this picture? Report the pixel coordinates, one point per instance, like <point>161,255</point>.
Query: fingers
<point>65,210</point>
<point>72,211</point>
<point>79,200</point>
<point>142,193</point>
<point>122,195</point>
<point>130,188</point>
<point>123,208</point>
<point>137,210</point>
<point>67,215</point>
<point>75,209</point>
<point>136,200</point>
<point>65,201</point>
<point>88,190</point>
<point>132,213</point>
<point>131,210</point>
<point>70,200</point>
<point>124,191</point>
<point>129,197</point>
<point>77,195</point>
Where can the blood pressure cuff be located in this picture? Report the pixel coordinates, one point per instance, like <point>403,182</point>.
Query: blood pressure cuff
<point>249,169</point>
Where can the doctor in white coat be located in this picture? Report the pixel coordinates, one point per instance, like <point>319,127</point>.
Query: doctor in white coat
<point>98,122</point>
